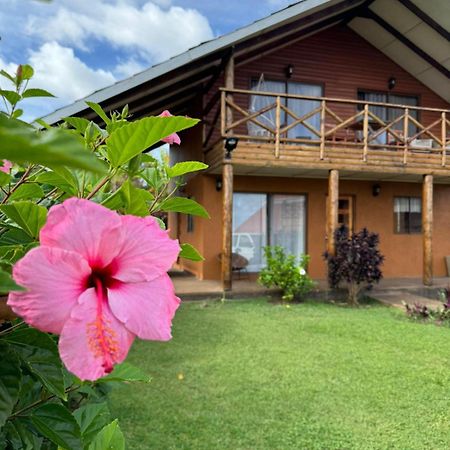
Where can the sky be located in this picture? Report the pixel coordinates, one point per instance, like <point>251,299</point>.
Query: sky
<point>79,46</point>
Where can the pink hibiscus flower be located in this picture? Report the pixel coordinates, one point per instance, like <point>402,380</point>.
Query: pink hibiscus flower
<point>98,279</point>
<point>6,166</point>
<point>173,138</point>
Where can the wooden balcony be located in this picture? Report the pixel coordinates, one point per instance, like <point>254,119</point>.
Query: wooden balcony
<point>296,132</point>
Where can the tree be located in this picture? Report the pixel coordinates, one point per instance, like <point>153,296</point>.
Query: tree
<point>357,261</point>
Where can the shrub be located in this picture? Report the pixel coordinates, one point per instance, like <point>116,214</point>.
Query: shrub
<point>357,261</point>
<point>283,271</point>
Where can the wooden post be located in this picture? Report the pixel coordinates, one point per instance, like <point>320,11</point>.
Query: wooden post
<point>443,139</point>
<point>366,131</point>
<point>227,214</point>
<point>427,229</point>
<point>405,136</point>
<point>332,209</point>
<point>229,84</point>
<point>322,129</point>
<point>277,127</point>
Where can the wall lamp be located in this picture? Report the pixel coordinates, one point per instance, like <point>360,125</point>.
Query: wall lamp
<point>230,144</point>
<point>218,184</point>
<point>391,83</point>
<point>376,189</point>
<point>289,71</point>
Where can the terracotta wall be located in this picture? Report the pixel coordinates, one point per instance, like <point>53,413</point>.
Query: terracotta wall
<point>403,251</point>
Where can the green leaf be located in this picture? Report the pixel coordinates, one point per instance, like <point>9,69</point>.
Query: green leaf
<point>27,215</point>
<point>5,178</point>
<point>7,284</point>
<point>190,252</point>
<point>134,137</point>
<point>91,418</point>
<point>99,111</point>
<point>36,93</point>
<point>15,236</point>
<point>125,372</point>
<point>40,354</point>
<point>10,379</point>
<point>7,75</point>
<point>56,180</point>
<point>184,205</point>
<point>17,113</point>
<point>20,437</point>
<point>27,72</point>
<point>55,147</point>
<point>109,438</point>
<point>182,168</point>
<point>12,96</point>
<point>79,123</point>
<point>55,422</point>
<point>130,200</point>
<point>27,191</point>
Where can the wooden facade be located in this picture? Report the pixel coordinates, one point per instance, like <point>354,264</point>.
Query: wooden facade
<point>344,144</point>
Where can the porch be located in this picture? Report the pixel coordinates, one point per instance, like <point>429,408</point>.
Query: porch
<point>338,139</point>
<point>389,291</point>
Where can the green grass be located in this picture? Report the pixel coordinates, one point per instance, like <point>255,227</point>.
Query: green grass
<point>311,376</point>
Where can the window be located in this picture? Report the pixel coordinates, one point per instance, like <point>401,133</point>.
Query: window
<point>407,215</point>
<point>345,212</point>
<point>267,219</point>
<point>298,106</point>
<point>390,114</point>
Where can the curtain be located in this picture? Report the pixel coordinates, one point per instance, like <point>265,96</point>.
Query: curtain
<point>302,107</point>
<point>258,102</point>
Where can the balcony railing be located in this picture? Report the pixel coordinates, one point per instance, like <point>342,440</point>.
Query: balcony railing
<point>324,124</point>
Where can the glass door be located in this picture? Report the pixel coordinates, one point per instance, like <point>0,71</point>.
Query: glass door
<point>249,228</point>
<point>287,222</point>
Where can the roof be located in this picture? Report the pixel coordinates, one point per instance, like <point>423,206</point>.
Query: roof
<point>414,33</point>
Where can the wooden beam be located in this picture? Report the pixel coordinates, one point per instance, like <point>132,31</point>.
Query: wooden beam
<point>427,229</point>
<point>227,214</point>
<point>404,40</point>
<point>426,18</point>
<point>229,84</point>
<point>332,209</point>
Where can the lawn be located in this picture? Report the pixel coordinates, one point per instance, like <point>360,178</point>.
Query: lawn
<point>254,375</point>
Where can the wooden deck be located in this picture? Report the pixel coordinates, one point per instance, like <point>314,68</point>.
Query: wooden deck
<point>342,134</point>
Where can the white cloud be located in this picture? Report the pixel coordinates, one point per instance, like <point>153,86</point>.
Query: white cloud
<point>58,70</point>
<point>156,33</point>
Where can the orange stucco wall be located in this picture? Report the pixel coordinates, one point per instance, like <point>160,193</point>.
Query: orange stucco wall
<point>403,252</point>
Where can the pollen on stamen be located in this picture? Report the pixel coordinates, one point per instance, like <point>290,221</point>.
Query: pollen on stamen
<point>102,341</point>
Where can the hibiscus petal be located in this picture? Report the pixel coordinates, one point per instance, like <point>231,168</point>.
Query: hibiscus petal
<point>172,138</point>
<point>146,309</point>
<point>54,279</point>
<point>84,227</point>
<point>147,252</point>
<point>92,340</point>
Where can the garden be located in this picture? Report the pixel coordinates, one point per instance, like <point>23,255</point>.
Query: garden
<point>254,374</point>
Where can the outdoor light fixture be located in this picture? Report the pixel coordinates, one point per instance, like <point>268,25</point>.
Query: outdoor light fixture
<point>218,184</point>
<point>391,83</point>
<point>376,189</point>
<point>289,71</point>
<point>230,144</point>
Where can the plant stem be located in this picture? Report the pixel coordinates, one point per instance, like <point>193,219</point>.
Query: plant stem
<point>20,182</point>
<point>100,185</point>
<point>12,328</point>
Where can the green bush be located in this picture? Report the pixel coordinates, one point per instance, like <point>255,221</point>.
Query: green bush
<point>283,271</point>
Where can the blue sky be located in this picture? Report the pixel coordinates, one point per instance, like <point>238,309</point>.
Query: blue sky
<point>79,46</point>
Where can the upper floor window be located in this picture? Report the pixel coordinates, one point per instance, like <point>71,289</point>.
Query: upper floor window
<point>298,107</point>
<point>389,114</point>
<point>407,215</point>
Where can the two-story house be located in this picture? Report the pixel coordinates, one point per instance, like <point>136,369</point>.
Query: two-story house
<point>327,112</point>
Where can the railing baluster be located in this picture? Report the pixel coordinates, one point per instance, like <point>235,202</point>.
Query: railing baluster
<point>322,129</point>
<point>277,127</point>
<point>365,131</point>
<point>443,139</point>
<point>405,136</point>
